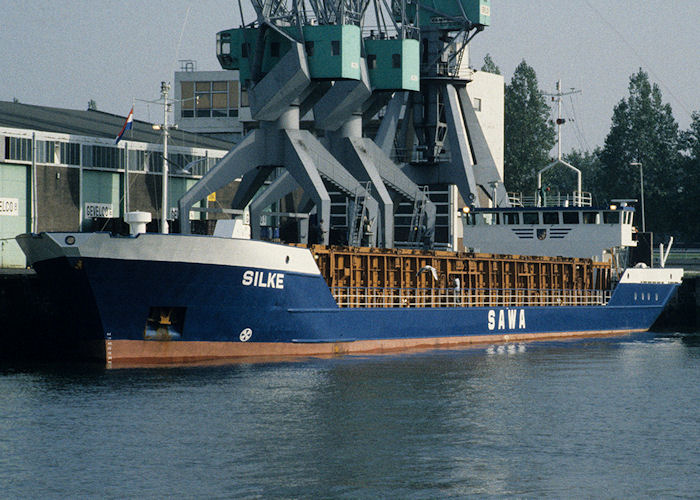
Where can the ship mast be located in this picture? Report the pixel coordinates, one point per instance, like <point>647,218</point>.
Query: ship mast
<point>561,121</point>
<point>556,96</point>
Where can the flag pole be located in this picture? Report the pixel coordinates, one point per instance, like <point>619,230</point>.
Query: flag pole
<point>126,165</point>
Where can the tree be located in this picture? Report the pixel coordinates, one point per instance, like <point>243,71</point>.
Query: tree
<point>92,105</point>
<point>590,166</point>
<point>643,131</point>
<point>490,66</point>
<point>529,132</point>
<point>563,180</point>
<point>687,217</point>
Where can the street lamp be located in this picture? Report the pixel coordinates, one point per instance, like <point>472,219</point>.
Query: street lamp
<point>641,189</point>
<point>164,89</point>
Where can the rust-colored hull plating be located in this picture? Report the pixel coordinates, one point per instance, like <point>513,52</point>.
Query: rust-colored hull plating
<point>122,353</point>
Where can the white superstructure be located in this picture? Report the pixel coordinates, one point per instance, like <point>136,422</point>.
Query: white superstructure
<point>584,232</point>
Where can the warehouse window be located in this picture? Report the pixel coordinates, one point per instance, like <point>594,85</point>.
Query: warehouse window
<point>395,60</point>
<point>70,153</point>
<point>45,152</point>
<point>335,48</point>
<point>137,160</point>
<point>274,49</point>
<point>179,162</point>
<point>17,148</point>
<point>103,157</point>
<point>155,161</point>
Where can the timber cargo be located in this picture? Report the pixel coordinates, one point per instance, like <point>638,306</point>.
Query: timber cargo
<point>372,277</point>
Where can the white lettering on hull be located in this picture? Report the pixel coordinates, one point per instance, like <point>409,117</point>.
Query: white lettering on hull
<point>263,279</point>
<point>511,319</point>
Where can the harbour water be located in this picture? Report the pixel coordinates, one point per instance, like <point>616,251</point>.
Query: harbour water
<point>601,418</point>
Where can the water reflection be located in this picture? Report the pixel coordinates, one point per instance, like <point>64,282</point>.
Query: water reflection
<point>526,420</point>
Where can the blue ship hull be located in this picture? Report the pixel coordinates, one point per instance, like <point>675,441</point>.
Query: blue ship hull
<point>227,310</point>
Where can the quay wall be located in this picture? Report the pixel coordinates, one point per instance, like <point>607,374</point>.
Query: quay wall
<point>28,318</point>
<point>683,312</point>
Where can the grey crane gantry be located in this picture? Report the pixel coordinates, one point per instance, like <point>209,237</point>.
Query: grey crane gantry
<point>354,69</point>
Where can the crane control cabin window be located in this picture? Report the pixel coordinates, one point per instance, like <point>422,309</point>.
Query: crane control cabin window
<point>210,99</point>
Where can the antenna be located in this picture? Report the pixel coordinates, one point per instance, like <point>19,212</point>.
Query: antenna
<point>556,96</point>
<point>578,195</point>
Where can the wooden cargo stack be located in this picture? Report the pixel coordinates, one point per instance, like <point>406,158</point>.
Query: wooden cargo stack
<point>372,277</point>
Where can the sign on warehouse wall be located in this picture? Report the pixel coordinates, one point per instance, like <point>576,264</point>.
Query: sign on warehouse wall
<point>9,206</point>
<point>98,210</point>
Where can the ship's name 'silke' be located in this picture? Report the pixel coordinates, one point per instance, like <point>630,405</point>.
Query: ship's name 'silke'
<point>263,279</point>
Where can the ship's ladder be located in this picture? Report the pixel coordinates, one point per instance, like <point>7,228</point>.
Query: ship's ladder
<point>418,217</point>
<point>440,129</point>
<point>358,221</point>
<point>458,65</point>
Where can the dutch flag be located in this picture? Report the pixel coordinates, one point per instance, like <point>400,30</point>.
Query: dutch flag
<point>127,125</point>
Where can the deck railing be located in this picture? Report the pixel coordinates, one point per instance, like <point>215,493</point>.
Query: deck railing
<point>575,199</point>
<point>451,297</point>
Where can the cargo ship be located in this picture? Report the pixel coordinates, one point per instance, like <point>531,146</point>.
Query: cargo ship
<point>348,134</point>
<point>155,298</point>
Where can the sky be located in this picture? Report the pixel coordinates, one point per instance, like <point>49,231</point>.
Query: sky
<point>64,53</point>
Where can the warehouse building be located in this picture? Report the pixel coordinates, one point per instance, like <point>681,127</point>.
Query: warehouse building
<point>60,170</point>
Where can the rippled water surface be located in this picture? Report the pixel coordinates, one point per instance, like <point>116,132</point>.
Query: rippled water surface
<point>604,418</point>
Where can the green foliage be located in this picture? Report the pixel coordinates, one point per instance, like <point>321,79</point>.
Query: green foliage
<point>643,130</point>
<point>564,180</point>
<point>529,132</point>
<point>687,216</point>
<point>690,139</point>
<point>489,66</point>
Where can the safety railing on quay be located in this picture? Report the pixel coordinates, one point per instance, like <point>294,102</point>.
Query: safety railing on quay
<point>453,297</point>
